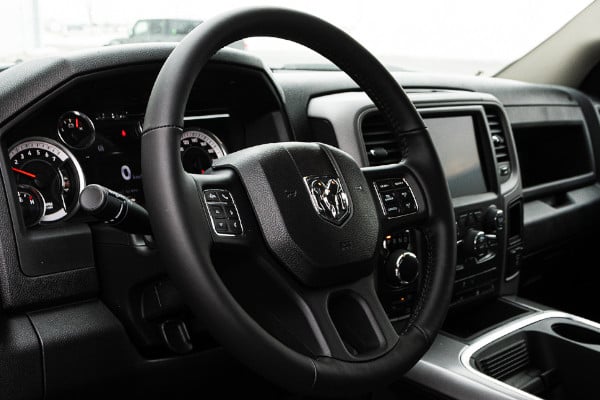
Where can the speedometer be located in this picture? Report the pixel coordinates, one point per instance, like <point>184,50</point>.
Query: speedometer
<point>52,170</point>
<point>198,150</point>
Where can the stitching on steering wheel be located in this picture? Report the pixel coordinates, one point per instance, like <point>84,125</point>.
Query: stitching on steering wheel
<point>161,127</point>
<point>425,290</point>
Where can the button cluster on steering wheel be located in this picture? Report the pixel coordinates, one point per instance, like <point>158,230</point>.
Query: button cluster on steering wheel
<point>396,197</point>
<point>223,212</point>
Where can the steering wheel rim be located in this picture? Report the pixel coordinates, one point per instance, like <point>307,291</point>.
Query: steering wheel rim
<point>186,241</point>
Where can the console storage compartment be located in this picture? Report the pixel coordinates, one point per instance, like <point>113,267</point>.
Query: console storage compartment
<point>467,321</point>
<point>555,359</point>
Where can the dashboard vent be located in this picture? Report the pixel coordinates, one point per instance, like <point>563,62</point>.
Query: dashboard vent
<point>498,134</point>
<point>507,362</point>
<point>381,144</point>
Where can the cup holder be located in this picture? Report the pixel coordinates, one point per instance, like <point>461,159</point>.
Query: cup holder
<point>577,333</point>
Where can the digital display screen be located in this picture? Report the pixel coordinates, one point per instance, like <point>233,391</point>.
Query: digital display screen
<point>114,159</point>
<point>456,145</point>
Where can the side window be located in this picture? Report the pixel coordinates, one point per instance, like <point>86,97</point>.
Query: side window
<point>158,27</point>
<point>181,27</point>
<point>141,28</point>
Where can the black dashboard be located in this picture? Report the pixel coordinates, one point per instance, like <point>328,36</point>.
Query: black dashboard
<point>519,159</point>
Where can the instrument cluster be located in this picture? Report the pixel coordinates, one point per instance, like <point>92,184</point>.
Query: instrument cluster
<point>103,149</point>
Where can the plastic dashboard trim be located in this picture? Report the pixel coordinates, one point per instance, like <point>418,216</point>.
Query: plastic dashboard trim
<point>27,87</point>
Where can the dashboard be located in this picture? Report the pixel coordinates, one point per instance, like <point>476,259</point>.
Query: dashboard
<point>103,149</point>
<point>91,134</point>
<point>520,162</point>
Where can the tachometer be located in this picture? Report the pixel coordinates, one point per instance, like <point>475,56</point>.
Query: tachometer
<point>198,150</point>
<point>52,170</point>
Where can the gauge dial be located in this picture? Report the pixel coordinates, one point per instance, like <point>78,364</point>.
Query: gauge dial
<point>198,150</point>
<point>32,203</point>
<point>76,130</point>
<point>52,170</point>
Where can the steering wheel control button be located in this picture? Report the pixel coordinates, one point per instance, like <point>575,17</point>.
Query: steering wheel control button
<point>384,185</point>
<point>225,197</point>
<point>211,196</point>
<point>230,212</point>
<point>234,226</point>
<point>223,212</point>
<point>396,197</point>
<point>221,226</point>
<point>399,183</point>
<point>216,211</point>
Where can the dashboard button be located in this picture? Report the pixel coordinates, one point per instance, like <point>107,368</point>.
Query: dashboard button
<point>216,211</point>
<point>211,196</point>
<point>221,226</point>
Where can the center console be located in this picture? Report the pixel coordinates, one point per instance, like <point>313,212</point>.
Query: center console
<point>474,142</point>
<point>488,223</point>
<point>512,349</point>
<point>493,344</point>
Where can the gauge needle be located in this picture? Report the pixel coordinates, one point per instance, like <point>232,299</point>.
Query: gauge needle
<point>20,171</point>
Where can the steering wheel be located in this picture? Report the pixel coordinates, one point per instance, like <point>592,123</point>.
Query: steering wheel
<point>295,298</point>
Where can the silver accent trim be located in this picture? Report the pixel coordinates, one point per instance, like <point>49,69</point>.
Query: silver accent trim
<point>513,276</point>
<point>222,203</point>
<point>342,212</point>
<point>399,260</point>
<point>82,116</point>
<point>467,353</point>
<point>207,116</point>
<point>78,170</point>
<point>212,136</point>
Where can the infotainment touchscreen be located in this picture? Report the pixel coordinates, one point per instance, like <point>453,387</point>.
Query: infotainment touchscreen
<point>455,141</point>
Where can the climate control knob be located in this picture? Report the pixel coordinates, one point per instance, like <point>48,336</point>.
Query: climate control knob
<point>493,219</point>
<point>403,267</point>
<point>478,245</point>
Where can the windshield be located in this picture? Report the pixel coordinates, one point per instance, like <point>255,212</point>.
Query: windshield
<point>463,36</point>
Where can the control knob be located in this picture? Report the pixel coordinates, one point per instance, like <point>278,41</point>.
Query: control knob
<point>403,267</point>
<point>493,220</point>
<point>479,245</point>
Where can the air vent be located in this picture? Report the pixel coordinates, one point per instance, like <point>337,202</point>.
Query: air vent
<point>494,120</point>
<point>507,362</point>
<point>498,134</point>
<point>381,144</point>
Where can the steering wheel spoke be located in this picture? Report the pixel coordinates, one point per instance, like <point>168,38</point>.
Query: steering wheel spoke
<point>399,196</point>
<point>227,210</point>
<point>345,322</point>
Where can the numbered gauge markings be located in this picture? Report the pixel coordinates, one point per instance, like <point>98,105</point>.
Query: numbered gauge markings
<point>50,169</point>
<point>199,148</point>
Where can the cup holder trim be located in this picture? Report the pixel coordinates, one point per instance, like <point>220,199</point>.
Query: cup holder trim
<point>576,333</point>
<point>467,352</point>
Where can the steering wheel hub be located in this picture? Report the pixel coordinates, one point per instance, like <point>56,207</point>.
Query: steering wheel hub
<point>282,182</point>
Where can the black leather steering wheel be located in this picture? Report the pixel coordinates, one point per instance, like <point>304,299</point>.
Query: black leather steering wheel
<point>299,303</point>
